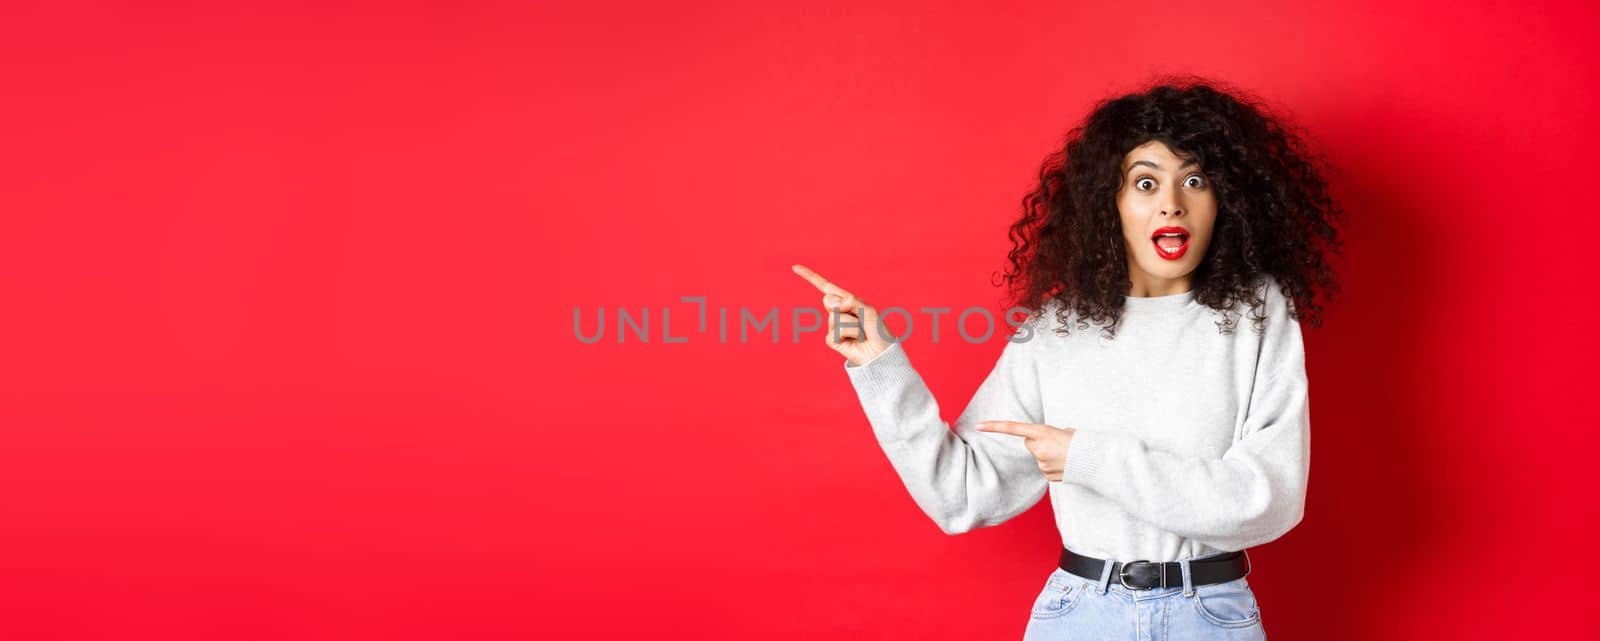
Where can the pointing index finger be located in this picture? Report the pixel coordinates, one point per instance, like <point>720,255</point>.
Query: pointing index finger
<point>819,282</point>
<point>1025,430</point>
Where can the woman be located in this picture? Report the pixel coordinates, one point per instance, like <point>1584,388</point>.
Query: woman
<point>1169,441</point>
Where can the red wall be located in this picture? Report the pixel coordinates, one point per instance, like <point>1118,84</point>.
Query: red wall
<point>289,349</point>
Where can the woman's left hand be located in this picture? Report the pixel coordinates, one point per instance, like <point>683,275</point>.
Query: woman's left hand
<point>1048,444</point>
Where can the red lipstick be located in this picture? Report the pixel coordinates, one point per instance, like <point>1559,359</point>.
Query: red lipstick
<point>1175,254</point>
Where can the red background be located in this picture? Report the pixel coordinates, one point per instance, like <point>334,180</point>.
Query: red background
<point>289,345</point>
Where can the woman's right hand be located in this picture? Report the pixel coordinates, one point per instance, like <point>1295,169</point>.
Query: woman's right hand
<point>856,345</point>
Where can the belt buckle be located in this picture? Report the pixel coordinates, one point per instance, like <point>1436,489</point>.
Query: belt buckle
<point>1122,577</point>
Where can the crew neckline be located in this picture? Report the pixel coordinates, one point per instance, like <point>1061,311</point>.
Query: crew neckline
<point>1158,303</point>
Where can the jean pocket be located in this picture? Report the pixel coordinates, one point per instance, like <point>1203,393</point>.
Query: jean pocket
<point>1228,605</point>
<point>1061,593</point>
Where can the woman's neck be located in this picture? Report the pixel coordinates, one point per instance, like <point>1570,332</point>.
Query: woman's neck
<point>1143,285</point>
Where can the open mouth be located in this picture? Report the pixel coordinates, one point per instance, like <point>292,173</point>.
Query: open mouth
<point>1171,242</point>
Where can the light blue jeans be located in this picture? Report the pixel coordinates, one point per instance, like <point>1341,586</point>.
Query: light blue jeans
<point>1071,607</point>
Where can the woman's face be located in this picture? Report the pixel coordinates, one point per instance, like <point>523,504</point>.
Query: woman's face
<point>1161,194</point>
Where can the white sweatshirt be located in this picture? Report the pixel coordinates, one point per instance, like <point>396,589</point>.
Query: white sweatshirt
<point>1189,441</point>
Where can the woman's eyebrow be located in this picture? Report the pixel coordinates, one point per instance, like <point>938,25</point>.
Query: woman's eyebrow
<point>1155,166</point>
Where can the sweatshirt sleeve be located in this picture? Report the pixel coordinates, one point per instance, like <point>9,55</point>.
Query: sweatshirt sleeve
<point>1251,495</point>
<point>963,479</point>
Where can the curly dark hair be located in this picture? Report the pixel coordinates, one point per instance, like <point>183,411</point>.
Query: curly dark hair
<point>1274,215</point>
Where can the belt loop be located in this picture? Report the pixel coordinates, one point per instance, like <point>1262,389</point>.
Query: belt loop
<point>1105,575</point>
<point>1188,581</point>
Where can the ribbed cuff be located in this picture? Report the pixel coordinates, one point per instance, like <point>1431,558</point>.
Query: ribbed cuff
<point>886,372</point>
<point>1087,456</point>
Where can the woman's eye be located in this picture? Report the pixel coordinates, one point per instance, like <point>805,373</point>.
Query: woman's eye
<point>1195,181</point>
<point>1140,184</point>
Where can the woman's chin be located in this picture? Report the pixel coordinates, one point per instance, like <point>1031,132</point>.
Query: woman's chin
<point>1169,270</point>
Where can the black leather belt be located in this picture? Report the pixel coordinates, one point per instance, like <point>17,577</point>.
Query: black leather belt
<point>1146,575</point>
